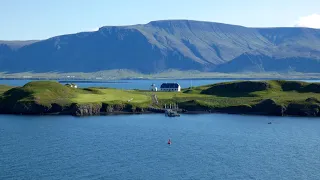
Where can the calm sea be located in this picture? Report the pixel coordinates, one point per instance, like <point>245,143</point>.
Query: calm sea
<point>135,147</point>
<point>125,84</point>
<point>214,146</point>
<point>134,84</point>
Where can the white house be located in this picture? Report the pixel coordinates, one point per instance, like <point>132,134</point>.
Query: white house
<point>168,87</point>
<point>153,87</point>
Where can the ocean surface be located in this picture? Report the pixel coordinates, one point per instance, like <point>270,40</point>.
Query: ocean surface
<point>214,146</point>
<point>125,84</point>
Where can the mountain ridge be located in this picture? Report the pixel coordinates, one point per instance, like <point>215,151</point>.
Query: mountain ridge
<point>169,44</point>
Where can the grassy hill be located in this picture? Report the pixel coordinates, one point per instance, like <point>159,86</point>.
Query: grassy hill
<point>272,97</point>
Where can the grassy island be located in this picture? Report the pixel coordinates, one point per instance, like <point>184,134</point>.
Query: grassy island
<point>274,97</point>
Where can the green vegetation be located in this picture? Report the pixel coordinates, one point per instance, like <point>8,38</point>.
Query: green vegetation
<point>40,92</point>
<point>241,95</point>
<point>113,96</point>
<point>4,88</point>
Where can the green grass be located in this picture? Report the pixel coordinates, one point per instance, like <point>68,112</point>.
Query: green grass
<point>41,92</point>
<point>107,95</point>
<point>210,96</point>
<point>4,88</point>
<point>226,95</point>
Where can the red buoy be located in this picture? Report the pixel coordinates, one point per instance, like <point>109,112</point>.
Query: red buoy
<point>169,142</point>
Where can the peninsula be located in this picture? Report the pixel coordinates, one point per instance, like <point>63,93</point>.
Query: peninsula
<point>274,97</point>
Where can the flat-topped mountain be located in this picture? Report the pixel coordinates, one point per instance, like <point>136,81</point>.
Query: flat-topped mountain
<point>169,44</point>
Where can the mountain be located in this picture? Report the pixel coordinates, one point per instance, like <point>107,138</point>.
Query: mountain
<point>17,44</point>
<point>169,44</point>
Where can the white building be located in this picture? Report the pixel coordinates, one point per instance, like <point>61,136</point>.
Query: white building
<point>153,87</point>
<point>169,87</point>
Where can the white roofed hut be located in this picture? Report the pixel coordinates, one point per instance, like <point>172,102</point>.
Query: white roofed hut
<point>153,87</point>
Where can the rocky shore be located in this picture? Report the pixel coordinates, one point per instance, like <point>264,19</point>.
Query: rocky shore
<point>266,107</point>
<point>270,98</point>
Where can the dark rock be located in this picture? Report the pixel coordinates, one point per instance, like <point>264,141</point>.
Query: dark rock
<point>56,108</point>
<point>129,108</point>
<point>269,107</point>
<point>114,108</point>
<point>312,100</point>
<point>118,107</point>
<point>240,109</point>
<point>108,108</point>
<point>86,109</point>
<point>28,108</point>
<point>303,109</point>
<point>139,110</point>
<point>155,110</point>
<point>2,105</point>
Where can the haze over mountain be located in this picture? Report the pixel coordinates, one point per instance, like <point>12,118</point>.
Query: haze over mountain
<point>169,44</point>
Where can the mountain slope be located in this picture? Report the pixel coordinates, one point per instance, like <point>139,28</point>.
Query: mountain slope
<point>172,44</point>
<point>261,63</point>
<point>17,44</point>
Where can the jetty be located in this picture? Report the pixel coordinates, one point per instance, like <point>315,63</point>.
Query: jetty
<point>171,110</point>
<point>171,113</point>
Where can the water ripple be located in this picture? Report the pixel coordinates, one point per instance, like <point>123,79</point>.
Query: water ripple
<point>134,147</point>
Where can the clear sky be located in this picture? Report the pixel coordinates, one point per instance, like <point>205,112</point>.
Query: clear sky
<point>40,19</point>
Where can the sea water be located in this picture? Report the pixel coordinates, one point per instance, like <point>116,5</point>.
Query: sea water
<point>213,146</point>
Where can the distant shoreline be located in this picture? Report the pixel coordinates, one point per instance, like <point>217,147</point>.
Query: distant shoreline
<point>64,80</point>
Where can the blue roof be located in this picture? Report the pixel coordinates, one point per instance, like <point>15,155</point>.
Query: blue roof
<point>169,85</point>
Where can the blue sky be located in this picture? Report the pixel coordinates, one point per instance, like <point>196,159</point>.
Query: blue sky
<point>40,19</point>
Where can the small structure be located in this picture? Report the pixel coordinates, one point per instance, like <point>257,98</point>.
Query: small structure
<point>171,110</point>
<point>71,85</point>
<point>171,113</point>
<point>153,87</point>
<point>170,87</point>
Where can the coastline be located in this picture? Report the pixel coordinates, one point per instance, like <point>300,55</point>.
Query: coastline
<point>88,112</point>
<point>269,98</point>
